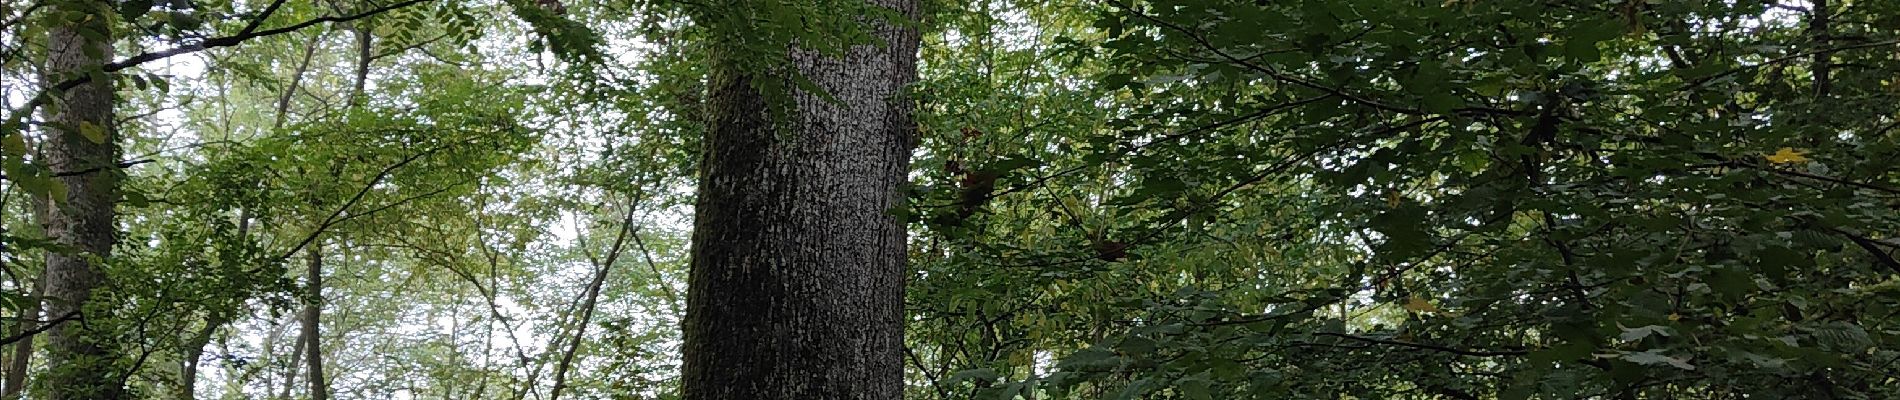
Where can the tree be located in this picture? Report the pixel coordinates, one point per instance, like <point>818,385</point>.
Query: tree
<point>83,151</point>
<point>797,268</point>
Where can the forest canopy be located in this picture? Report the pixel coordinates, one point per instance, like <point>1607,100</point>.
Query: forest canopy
<point>949,199</point>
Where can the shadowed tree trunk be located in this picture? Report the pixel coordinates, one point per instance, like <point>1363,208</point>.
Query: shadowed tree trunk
<point>30,318</point>
<point>81,143</point>
<point>23,350</point>
<point>312,319</point>
<point>310,341</point>
<point>797,263</point>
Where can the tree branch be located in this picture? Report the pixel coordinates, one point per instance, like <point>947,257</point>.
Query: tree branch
<point>48,325</point>
<point>249,32</point>
<point>120,165</point>
<point>1433,347</point>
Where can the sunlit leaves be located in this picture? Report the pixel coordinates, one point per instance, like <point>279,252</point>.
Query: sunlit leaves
<point>1787,156</point>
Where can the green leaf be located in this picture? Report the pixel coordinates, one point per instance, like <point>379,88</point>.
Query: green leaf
<point>805,84</point>
<point>1195,388</point>
<point>1638,333</point>
<point>973,375</point>
<point>13,143</point>
<point>1089,359</point>
<point>1655,357</point>
<point>1137,346</point>
<point>1583,51</point>
<point>132,9</point>
<point>1443,103</point>
<point>92,132</point>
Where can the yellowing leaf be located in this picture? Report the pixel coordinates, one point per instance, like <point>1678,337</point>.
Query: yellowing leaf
<point>1393,198</point>
<point>1419,304</point>
<point>1788,155</point>
<point>92,132</point>
<point>1675,317</point>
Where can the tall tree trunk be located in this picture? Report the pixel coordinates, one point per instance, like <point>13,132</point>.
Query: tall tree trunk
<point>1818,27</point>
<point>83,143</point>
<point>30,318</point>
<point>23,350</point>
<point>195,349</point>
<point>796,288</point>
<point>309,343</point>
<point>313,312</point>
<point>194,352</point>
<point>296,78</point>
<point>589,300</point>
<point>580,332</point>
<point>365,53</point>
<point>296,359</point>
<point>312,318</point>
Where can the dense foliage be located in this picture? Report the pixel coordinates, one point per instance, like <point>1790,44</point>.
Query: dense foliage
<point>1163,199</point>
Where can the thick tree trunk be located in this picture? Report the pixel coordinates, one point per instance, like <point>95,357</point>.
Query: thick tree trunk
<point>82,137</point>
<point>796,289</point>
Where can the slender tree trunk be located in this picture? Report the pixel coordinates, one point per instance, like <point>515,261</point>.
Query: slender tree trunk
<point>296,359</point>
<point>312,319</point>
<point>1818,26</point>
<point>580,333</point>
<point>15,380</point>
<point>23,350</point>
<point>313,312</point>
<point>796,288</point>
<point>265,363</point>
<point>590,299</point>
<point>296,79</point>
<point>309,343</point>
<point>194,351</point>
<point>82,137</point>
<point>365,53</point>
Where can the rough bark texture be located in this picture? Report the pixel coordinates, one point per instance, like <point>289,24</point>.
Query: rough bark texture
<point>797,263</point>
<point>80,363</point>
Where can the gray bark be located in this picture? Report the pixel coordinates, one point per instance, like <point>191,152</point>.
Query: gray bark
<point>81,362</point>
<point>78,357</point>
<point>796,288</point>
